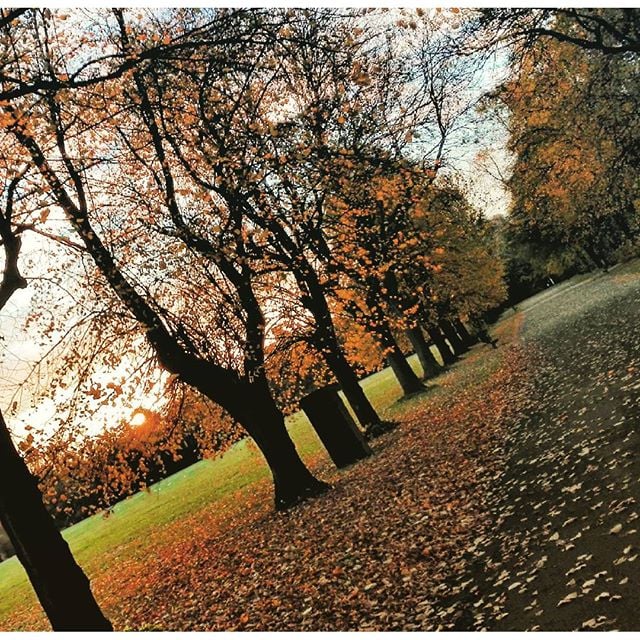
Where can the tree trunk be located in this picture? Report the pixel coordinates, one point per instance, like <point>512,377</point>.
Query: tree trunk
<point>262,419</point>
<point>463,332</point>
<point>402,370</point>
<point>447,355</point>
<point>326,412</point>
<point>453,338</point>
<point>595,256</point>
<point>348,381</point>
<point>378,325</point>
<point>330,348</point>
<point>430,365</point>
<point>623,221</point>
<point>293,482</point>
<point>60,584</point>
<point>407,378</point>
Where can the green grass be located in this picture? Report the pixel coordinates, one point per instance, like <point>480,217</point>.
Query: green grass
<point>99,542</point>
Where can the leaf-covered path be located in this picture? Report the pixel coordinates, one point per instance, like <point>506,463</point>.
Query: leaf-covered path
<point>563,552</point>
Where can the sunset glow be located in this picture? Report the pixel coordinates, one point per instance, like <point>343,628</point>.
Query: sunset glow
<point>138,419</point>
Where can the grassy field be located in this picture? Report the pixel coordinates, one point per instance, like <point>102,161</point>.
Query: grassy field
<point>100,542</point>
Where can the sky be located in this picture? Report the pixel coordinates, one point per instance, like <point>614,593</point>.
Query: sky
<point>483,158</point>
<point>23,379</point>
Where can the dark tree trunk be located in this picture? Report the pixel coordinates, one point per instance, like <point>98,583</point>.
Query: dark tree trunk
<point>595,256</point>
<point>402,370</point>
<point>378,325</point>
<point>293,482</point>
<point>329,346</point>
<point>623,220</point>
<point>463,332</point>
<point>407,378</point>
<point>348,381</point>
<point>447,355</point>
<point>336,429</point>
<point>430,365</point>
<point>454,339</point>
<point>60,584</point>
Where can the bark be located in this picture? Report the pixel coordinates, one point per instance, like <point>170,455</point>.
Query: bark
<point>348,381</point>
<point>596,257</point>
<point>326,411</point>
<point>463,332</point>
<point>314,299</point>
<point>60,584</point>
<point>408,380</point>
<point>402,370</point>
<point>430,365</point>
<point>292,481</point>
<point>12,279</point>
<point>378,325</point>
<point>623,220</point>
<point>241,278</point>
<point>327,342</point>
<point>454,339</point>
<point>447,355</point>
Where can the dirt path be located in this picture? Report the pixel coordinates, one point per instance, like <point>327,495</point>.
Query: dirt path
<point>562,553</point>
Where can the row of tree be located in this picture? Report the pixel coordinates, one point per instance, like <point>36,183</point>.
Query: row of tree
<point>234,189</point>
<point>207,162</point>
<point>271,158</point>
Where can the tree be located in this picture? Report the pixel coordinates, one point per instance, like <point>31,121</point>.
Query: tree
<point>39,545</point>
<point>352,134</point>
<point>234,254</point>
<point>572,118</point>
<point>236,149</point>
<point>467,278</point>
<point>26,27</point>
<point>176,351</point>
<point>79,478</point>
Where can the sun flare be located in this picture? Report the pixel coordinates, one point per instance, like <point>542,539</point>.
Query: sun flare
<point>138,419</point>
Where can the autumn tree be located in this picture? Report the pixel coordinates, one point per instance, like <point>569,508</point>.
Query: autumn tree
<point>80,477</point>
<point>40,547</point>
<point>349,133</point>
<point>233,149</point>
<point>178,351</point>
<point>467,276</point>
<point>439,267</point>
<point>572,118</point>
<point>244,265</point>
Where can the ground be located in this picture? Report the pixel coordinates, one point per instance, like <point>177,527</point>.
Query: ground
<point>506,499</point>
<point>565,553</point>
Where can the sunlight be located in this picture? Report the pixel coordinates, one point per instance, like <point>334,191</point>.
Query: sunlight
<point>138,419</point>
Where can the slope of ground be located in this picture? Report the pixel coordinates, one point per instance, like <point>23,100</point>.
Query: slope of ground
<point>509,486</point>
<point>101,543</point>
<point>146,561</point>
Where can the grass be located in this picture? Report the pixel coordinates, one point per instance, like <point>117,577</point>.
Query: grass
<point>99,543</point>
